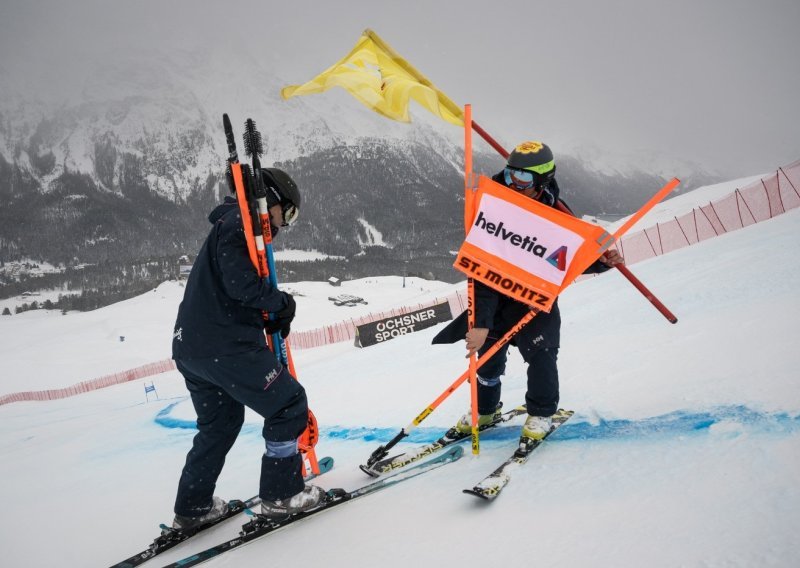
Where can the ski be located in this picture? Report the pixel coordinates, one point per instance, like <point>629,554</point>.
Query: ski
<point>170,537</point>
<point>413,455</point>
<point>261,526</point>
<point>491,485</point>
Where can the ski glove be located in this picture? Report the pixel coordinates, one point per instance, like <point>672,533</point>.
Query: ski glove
<point>547,196</point>
<point>283,319</point>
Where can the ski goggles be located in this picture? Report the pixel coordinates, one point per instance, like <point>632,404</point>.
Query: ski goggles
<point>528,178</point>
<point>518,179</point>
<point>290,214</point>
<point>289,209</point>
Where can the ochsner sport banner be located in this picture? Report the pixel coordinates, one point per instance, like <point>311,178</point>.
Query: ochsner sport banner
<point>524,249</point>
<point>390,327</point>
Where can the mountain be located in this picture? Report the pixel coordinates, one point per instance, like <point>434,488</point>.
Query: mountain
<point>125,162</point>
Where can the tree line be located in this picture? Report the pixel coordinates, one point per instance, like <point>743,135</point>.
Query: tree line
<point>95,285</point>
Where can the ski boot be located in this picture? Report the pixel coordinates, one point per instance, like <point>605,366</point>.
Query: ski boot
<point>464,424</point>
<point>308,499</point>
<point>536,427</point>
<point>219,509</point>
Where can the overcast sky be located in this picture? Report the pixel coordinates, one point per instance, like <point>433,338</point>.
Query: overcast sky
<point>716,82</point>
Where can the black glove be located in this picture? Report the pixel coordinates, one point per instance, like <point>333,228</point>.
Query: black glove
<point>546,196</point>
<point>283,319</point>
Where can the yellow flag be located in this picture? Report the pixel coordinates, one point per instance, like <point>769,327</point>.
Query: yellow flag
<point>378,77</point>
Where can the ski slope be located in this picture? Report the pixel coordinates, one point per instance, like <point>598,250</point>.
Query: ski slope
<point>683,451</point>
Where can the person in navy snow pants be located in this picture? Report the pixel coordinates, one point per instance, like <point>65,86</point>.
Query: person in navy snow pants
<point>530,171</point>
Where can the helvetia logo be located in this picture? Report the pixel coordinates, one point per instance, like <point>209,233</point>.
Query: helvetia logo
<point>559,259</point>
<point>497,230</point>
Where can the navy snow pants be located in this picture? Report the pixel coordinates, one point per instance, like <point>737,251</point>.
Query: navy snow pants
<point>541,399</point>
<point>220,388</point>
<point>538,343</point>
<point>542,396</point>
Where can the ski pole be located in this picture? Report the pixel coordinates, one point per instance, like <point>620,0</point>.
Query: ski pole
<point>254,149</point>
<point>278,343</point>
<point>655,199</point>
<point>492,142</point>
<point>239,178</point>
<point>251,195</point>
<point>383,451</point>
<point>473,369</point>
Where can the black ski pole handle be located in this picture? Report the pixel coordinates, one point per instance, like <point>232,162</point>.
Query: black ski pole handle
<point>233,156</point>
<point>383,451</point>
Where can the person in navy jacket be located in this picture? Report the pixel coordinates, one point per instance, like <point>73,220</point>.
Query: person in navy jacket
<point>220,347</point>
<point>530,171</point>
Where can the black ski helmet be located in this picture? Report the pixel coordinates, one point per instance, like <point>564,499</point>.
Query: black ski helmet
<point>283,191</point>
<point>533,156</point>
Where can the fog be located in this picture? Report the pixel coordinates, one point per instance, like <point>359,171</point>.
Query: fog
<point>712,82</point>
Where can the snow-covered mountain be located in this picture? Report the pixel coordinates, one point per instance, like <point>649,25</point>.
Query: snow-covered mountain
<point>123,161</point>
<point>164,110</point>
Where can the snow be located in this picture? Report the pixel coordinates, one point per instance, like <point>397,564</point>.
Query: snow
<point>683,451</point>
<point>14,269</point>
<point>303,255</point>
<point>373,237</point>
<point>40,297</point>
<point>146,323</point>
<point>27,266</point>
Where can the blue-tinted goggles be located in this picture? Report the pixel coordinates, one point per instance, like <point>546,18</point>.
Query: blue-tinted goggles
<point>521,180</point>
<point>518,179</point>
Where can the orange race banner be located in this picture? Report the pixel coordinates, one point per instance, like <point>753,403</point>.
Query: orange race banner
<point>524,249</point>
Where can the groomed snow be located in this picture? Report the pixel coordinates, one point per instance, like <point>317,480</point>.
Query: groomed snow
<point>683,451</point>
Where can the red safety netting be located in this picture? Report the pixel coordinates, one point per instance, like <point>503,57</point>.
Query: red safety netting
<point>86,386</point>
<point>759,201</point>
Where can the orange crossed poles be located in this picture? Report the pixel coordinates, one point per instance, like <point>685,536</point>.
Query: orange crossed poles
<point>561,207</point>
<point>471,373</point>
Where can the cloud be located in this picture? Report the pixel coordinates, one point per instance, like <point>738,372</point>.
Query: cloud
<point>714,82</point>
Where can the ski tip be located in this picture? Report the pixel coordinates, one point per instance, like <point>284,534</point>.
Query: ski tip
<point>455,452</point>
<point>324,465</point>
<point>477,493</point>
<point>369,471</point>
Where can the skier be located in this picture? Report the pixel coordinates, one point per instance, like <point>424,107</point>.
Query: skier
<point>531,171</point>
<point>219,346</point>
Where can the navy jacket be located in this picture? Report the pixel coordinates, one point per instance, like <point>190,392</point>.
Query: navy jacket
<point>498,313</point>
<point>221,311</point>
